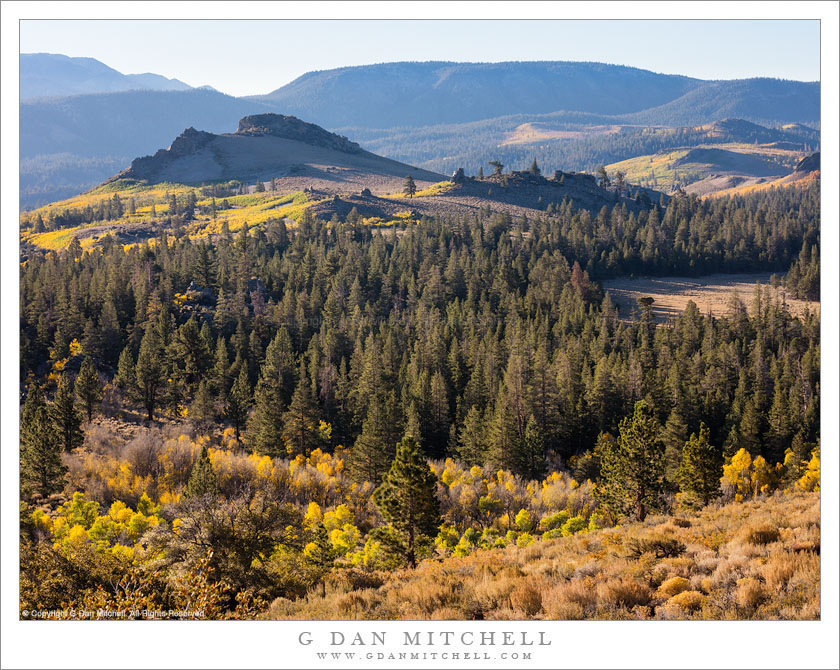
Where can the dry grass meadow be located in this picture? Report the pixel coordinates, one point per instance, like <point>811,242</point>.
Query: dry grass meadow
<point>710,293</point>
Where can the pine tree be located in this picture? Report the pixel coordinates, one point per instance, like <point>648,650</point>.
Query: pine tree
<point>505,438</point>
<point>480,172</point>
<point>220,375</point>
<point>796,459</point>
<point>271,396</point>
<point>41,470</point>
<point>239,401</point>
<point>300,422</point>
<point>674,436</point>
<point>438,417</point>
<point>603,178</point>
<point>109,332</point>
<point>701,468</point>
<point>749,429</point>
<point>620,183</point>
<point>265,426</point>
<point>473,443</point>
<point>88,388</point>
<point>532,455</point>
<point>190,353</point>
<point>374,448</point>
<point>780,429</point>
<point>150,372</point>
<point>202,408</point>
<point>409,187</point>
<point>633,467</point>
<point>407,501</point>
<point>320,555</point>
<point>125,378</point>
<point>544,396</point>
<point>412,423</point>
<point>534,169</point>
<point>92,340</point>
<point>202,479</point>
<point>66,417</point>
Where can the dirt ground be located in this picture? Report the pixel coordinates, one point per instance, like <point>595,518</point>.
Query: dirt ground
<point>712,292</point>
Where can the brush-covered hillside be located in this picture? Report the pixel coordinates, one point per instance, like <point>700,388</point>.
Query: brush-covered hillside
<point>754,560</point>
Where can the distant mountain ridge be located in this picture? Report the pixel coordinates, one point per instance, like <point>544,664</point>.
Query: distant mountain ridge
<point>391,95</point>
<point>44,75</point>
<point>68,144</point>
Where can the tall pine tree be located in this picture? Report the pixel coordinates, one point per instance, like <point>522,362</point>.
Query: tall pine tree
<point>407,501</point>
<point>88,388</point>
<point>239,401</point>
<point>41,470</point>
<point>150,371</point>
<point>202,479</point>
<point>633,467</point>
<point>700,469</point>
<point>301,434</point>
<point>66,416</point>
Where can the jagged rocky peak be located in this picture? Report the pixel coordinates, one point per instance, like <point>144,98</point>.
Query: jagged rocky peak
<point>292,128</point>
<point>190,141</point>
<point>187,143</point>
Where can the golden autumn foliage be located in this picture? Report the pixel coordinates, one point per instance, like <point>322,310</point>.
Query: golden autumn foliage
<point>745,477</point>
<point>595,575</point>
<point>527,538</point>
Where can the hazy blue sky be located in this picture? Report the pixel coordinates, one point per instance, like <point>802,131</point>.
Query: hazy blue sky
<point>251,57</point>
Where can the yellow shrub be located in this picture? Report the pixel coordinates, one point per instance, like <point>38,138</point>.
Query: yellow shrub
<point>673,586</point>
<point>688,600</point>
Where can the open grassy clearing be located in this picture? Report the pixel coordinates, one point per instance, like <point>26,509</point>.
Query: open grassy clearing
<point>710,293</point>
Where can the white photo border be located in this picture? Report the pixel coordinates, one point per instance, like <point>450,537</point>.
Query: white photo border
<point>29,644</point>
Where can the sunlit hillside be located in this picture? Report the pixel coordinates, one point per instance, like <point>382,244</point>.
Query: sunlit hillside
<point>756,560</point>
<point>669,170</point>
<point>133,212</point>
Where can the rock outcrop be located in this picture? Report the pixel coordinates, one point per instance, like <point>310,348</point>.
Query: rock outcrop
<point>809,163</point>
<point>187,143</point>
<point>292,128</point>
